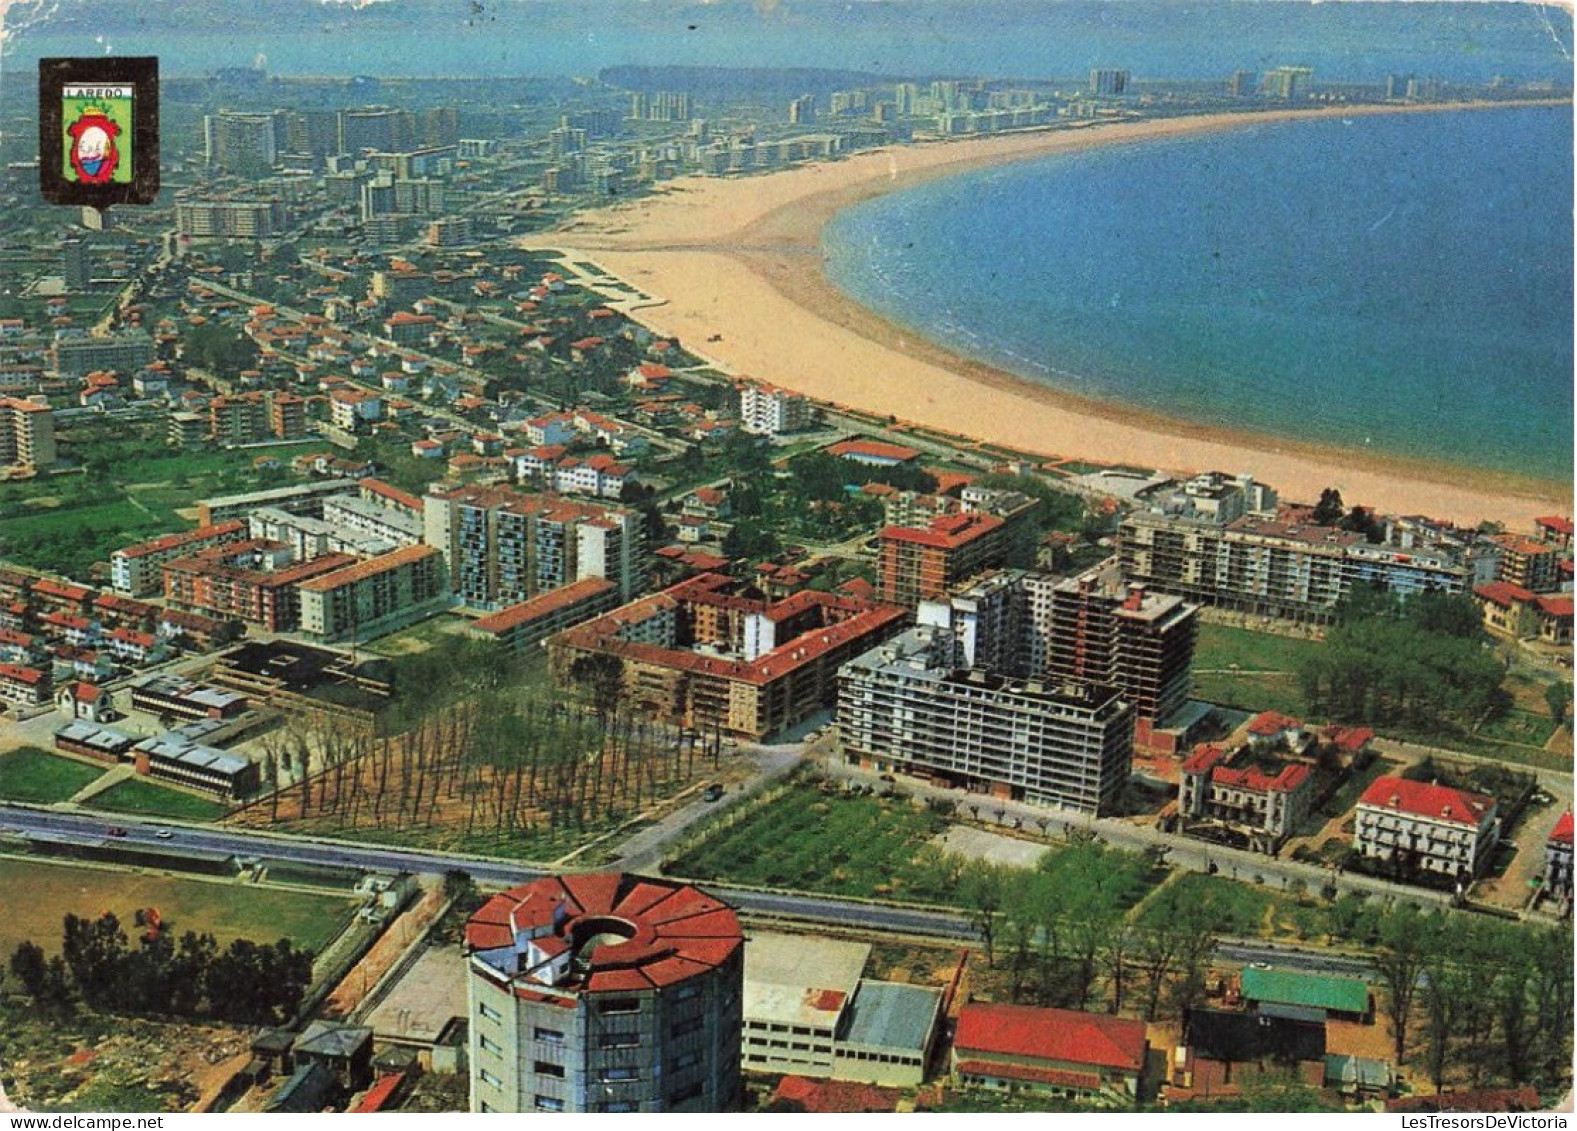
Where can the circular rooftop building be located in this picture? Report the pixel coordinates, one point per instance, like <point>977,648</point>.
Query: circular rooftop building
<point>605,992</point>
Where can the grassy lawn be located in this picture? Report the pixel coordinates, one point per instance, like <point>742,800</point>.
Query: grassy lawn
<point>1347,796</point>
<point>144,798</point>
<point>38,895</point>
<point>1523,727</point>
<point>1246,909</point>
<point>1220,646</point>
<point>1254,693</point>
<point>842,845</point>
<point>35,775</point>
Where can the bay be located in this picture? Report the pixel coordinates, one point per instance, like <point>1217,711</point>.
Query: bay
<point>1400,283</point>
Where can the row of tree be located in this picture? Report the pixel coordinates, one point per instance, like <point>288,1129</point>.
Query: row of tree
<point>1486,996</point>
<point>475,746</point>
<point>246,983</point>
<point>1475,997</point>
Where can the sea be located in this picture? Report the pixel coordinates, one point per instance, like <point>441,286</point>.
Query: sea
<point>1400,284</point>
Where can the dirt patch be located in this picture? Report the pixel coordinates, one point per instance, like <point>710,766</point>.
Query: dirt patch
<point>385,953</point>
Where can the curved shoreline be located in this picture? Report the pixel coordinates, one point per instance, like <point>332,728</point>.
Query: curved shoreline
<point>742,258</point>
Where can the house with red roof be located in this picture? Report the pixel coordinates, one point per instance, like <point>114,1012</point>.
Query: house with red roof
<point>1059,1052</point>
<point>1416,827</point>
<point>1558,859</point>
<point>1265,806</point>
<point>80,699</point>
<point>1554,528</point>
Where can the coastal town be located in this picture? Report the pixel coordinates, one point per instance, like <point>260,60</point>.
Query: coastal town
<point>451,661</point>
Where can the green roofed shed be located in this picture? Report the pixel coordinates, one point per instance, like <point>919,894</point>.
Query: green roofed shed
<point>1315,991</point>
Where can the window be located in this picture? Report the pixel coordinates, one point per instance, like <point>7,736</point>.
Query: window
<point>549,1036</point>
<point>489,1046</point>
<point>489,1079</point>
<point>683,1094</point>
<point>620,1040</point>
<point>686,992</point>
<point>613,1074</point>
<point>550,1103</point>
<point>690,1059</point>
<point>691,1026</point>
<point>487,1108</point>
<point>622,1005</point>
<point>488,1011</point>
<point>618,1107</point>
<point>548,1068</point>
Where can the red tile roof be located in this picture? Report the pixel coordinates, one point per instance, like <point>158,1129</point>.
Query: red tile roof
<point>678,930</point>
<point>184,538</point>
<point>16,673</point>
<point>1423,799</point>
<point>392,493</point>
<point>1555,522</point>
<point>1271,723</point>
<point>372,567</point>
<point>1562,832</point>
<point>545,604</point>
<point>1556,604</point>
<point>1504,594</point>
<point>946,532</point>
<point>872,449</point>
<point>1063,1036</point>
<point>829,1097</point>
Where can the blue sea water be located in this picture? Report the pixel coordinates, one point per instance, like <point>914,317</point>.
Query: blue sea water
<point>1398,283</point>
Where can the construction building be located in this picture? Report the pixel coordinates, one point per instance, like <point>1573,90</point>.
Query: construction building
<point>523,627</point>
<point>1213,542</point>
<point>903,706</point>
<point>255,582</point>
<point>1105,631</point>
<point>605,993</point>
<point>136,571</point>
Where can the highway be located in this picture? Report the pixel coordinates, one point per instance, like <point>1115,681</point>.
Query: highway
<point>939,925</point>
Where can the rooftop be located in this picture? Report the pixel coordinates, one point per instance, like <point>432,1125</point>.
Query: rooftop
<point>604,933</point>
<point>1315,991</point>
<point>1428,800</point>
<point>1062,1035</point>
<point>892,1015</point>
<point>797,980</point>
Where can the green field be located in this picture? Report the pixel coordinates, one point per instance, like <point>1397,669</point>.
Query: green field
<point>37,896</point>
<point>860,846</point>
<point>1244,908</point>
<point>1221,646</point>
<point>35,775</point>
<point>144,798</point>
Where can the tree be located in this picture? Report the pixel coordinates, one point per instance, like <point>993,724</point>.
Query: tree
<point>1406,939</point>
<point>1558,695</point>
<point>980,888</point>
<point>1330,509</point>
<point>30,969</point>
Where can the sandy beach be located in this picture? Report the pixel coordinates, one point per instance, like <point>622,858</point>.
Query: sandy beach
<point>736,264</point>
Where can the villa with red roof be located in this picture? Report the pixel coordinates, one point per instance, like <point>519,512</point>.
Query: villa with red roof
<point>1058,1052</point>
<point>1264,806</point>
<point>1424,827</point>
<point>1558,859</point>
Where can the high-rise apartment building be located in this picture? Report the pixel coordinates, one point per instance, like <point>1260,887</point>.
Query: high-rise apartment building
<point>1106,82</point>
<point>916,565</point>
<point>27,435</point>
<point>503,546</point>
<point>605,993</point>
<point>244,143</point>
<point>903,705</point>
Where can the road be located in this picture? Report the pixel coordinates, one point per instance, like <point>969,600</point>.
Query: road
<point>933,924</point>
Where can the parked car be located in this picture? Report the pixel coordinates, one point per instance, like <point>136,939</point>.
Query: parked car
<point>713,792</point>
